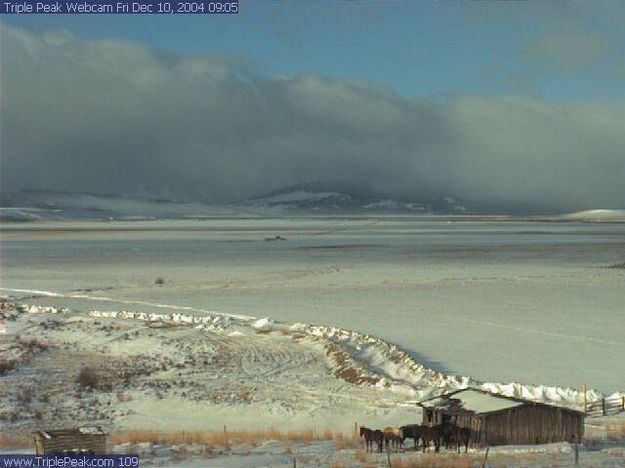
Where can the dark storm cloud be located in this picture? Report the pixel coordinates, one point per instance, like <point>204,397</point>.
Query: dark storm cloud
<point>115,116</point>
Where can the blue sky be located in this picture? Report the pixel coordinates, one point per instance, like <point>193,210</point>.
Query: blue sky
<point>555,50</point>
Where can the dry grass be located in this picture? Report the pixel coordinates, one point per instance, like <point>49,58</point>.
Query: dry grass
<point>438,461</point>
<point>615,427</point>
<point>219,438</point>
<point>446,460</point>
<point>341,442</point>
<point>361,456</point>
<point>13,441</point>
<point>617,452</point>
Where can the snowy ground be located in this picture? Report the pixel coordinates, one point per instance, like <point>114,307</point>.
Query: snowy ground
<point>166,374</point>
<point>182,372</point>
<point>498,301</point>
<point>421,305</point>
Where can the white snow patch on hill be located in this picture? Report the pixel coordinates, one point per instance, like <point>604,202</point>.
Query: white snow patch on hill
<point>597,215</point>
<point>301,196</point>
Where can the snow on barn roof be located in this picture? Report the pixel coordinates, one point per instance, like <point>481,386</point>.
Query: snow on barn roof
<point>88,430</point>
<point>471,400</point>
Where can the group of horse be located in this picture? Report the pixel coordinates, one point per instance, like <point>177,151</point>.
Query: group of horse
<point>447,435</point>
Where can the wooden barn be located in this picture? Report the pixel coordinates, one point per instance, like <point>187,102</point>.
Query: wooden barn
<point>499,420</point>
<point>91,440</point>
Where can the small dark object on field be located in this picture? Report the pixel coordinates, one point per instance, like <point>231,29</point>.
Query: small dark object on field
<point>275,238</point>
<point>87,378</point>
<point>617,266</point>
<point>159,280</point>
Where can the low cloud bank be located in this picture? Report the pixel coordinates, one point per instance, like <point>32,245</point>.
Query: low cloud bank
<point>118,117</point>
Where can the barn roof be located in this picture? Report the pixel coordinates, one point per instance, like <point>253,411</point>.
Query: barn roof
<point>477,401</point>
<point>472,401</point>
<point>88,430</point>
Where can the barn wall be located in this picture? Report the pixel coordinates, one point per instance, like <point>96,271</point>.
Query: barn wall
<point>95,443</point>
<point>530,424</point>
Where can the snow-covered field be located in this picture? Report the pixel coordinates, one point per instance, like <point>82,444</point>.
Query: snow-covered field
<point>177,373</point>
<point>364,316</point>
<point>498,301</point>
<point>182,372</point>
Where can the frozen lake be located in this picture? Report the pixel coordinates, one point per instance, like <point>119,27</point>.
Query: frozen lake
<point>500,301</point>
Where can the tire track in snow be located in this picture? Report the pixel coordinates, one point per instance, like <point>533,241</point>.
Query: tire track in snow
<point>543,333</point>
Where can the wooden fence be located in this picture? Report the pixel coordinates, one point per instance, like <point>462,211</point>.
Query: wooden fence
<point>605,407</point>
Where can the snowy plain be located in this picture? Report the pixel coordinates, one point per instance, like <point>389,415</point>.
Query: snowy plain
<point>417,305</point>
<point>498,301</point>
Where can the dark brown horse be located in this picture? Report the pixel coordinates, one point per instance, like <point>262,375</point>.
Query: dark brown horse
<point>447,434</point>
<point>461,436</point>
<point>430,434</point>
<point>410,431</point>
<point>372,436</point>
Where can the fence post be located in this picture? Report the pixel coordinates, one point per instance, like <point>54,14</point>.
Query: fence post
<point>356,426</point>
<point>585,400</point>
<point>485,457</point>
<point>623,403</point>
<point>603,406</point>
<point>226,438</point>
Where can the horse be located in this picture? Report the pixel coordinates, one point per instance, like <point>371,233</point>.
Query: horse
<point>447,434</point>
<point>461,436</point>
<point>378,437</point>
<point>430,434</point>
<point>372,436</point>
<point>410,431</point>
<point>368,434</point>
<point>394,436</point>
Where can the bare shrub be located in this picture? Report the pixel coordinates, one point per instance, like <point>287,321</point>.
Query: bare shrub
<point>6,365</point>
<point>87,378</point>
<point>34,345</point>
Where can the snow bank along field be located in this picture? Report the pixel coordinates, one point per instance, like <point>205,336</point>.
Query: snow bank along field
<point>193,325</point>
